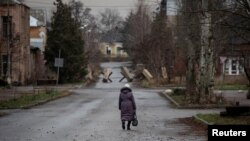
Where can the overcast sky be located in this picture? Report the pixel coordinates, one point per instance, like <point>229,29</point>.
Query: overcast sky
<point>123,6</point>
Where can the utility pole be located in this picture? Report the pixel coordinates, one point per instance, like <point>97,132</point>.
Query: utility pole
<point>8,44</point>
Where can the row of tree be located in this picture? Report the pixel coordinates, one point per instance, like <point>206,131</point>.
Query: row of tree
<point>65,36</point>
<point>148,39</point>
<point>76,33</point>
<point>203,29</point>
<point>206,28</point>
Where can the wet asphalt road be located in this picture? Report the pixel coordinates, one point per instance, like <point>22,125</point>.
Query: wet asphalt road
<point>91,114</point>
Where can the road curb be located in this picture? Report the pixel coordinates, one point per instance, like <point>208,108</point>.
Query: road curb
<point>202,120</point>
<point>191,106</point>
<point>171,100</point>
<point>46,101</point>
<point>67,93</point>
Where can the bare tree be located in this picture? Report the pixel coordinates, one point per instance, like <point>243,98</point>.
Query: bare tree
<point>188,33</point>
<point>137,26</point>
<point>202,25</point>
<point>160,51</point>
<point>206,68</point>
<point>110,23</point>
<point>110,19</point>
<point>149,40</point>
<point>237,24</point>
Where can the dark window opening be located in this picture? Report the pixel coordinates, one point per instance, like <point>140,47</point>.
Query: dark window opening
<point>4,65</point>
<point>234,66</point>
<point>7,26</point>
<point>108,50</point>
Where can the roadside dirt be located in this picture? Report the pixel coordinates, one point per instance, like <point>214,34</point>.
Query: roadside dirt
<point>195,126</point>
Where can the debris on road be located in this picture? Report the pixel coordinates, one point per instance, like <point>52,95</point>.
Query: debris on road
<point>107,72</point>
<point>126,74</point>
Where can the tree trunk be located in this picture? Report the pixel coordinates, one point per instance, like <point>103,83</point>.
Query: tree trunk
<point>206,69</point>
<point>191,92</point>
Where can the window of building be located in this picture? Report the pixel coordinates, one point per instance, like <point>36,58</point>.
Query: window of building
<point>108,50</point>
<point>226,67</point>
<point>4,65</point>
<point>232,66</point>
<point>6,26</point>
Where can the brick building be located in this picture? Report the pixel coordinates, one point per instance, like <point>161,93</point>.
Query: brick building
<point>38,38</point>
<point>17,19</point>
<point>229,65</point>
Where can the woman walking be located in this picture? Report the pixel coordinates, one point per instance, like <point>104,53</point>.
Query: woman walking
<point>127,106</point>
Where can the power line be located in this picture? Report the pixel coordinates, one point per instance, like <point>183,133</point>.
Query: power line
<point>120,6</point>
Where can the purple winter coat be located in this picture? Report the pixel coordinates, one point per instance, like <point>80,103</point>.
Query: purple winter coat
<point>127,104</point>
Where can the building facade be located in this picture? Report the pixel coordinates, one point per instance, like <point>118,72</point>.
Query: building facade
<point>15,42</point>
<point>114,49</point>
<point>230,66</point>
<point>38,38</point>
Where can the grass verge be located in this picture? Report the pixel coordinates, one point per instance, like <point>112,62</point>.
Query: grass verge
<point>31,100</point>
<point>217,119</point>
<point>178,98</point>
<point>231,87</point>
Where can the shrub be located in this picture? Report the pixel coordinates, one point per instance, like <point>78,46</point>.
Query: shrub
<point>179,91</point>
